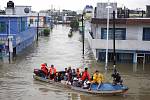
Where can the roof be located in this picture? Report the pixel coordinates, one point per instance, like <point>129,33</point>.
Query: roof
<point>22,6</point>
<point>129,21</point>
<point>13,16</point>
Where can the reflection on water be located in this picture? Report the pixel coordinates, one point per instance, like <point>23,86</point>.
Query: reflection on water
<point>16,82</point>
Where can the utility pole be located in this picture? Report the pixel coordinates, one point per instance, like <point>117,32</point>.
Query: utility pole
<point>83,35</point>
<point>37,26</point>
<point>106,56</point>
<point>114,51</point>
<point>8,33</point>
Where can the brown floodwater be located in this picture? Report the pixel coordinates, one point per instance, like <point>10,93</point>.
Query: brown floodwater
<point>17,83</point>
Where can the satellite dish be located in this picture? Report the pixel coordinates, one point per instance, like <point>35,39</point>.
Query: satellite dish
<point>26,10</point>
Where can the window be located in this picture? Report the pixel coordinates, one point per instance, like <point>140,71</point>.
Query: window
<point>23,26</point>
<point>2,27</point>
<point>120,33</point>
<point>18,24</point>
<point>44,20</point>
<point>31,21</point>
<point>146,34</point>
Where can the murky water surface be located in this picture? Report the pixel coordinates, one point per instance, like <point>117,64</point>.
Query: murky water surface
<point>16,82</point>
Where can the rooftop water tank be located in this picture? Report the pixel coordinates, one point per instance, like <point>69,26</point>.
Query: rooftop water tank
<point>10,4</point>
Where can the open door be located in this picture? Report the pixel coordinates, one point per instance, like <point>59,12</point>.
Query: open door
<point>140,58</point>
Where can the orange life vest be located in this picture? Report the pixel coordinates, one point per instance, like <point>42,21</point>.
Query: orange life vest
<point>52,71</point>
<point>44,69</point>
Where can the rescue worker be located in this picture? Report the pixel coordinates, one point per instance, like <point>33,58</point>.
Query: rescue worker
<point>85,76</point>
<point>52,72</point>
<point>116,78</point>
<point>44,70</point>
<point>98,78</point>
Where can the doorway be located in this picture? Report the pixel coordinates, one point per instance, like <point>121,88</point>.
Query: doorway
<point>141,58</point>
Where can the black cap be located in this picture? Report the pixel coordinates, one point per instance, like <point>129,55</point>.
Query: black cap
<point>86,68</point>
<point>96,71</point>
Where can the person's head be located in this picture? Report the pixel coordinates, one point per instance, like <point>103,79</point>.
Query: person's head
<point>65,69</point>
<point>73,70</point>
<point>115,71</point>
<point>52,66</point>
<point>86,69</point>
<point>56,74</point>
<point>45,64</point>
<point>96,71</point>
<point>77,69</point>
<point>69,67</point>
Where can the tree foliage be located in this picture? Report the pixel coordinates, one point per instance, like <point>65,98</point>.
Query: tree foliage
<point>74,24</point>
<point>46,32</point>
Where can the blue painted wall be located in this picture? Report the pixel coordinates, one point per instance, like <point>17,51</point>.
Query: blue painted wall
<point>23,35</point>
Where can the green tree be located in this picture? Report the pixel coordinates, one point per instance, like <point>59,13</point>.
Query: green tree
<point>46,32</point>
<point>74,24</point>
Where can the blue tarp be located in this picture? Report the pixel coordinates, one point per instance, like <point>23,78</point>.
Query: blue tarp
<point>108,87</point>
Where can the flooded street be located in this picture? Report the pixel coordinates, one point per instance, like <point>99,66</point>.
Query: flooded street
<point>17,83</point>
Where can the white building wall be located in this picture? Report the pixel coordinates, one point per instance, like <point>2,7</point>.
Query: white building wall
<point>134,35</point>
<point>122,44</point>
<point>19,10</point>
<point>133,32</point>
<point>10,11</point>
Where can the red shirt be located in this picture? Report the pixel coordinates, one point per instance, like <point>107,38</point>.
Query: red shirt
<point>85,75</point>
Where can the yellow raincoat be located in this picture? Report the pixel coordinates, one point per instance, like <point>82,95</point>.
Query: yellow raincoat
<point>98,78</point>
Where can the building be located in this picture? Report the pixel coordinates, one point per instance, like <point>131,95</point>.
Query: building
<point>45,21</point>
<point>33,17</point>
<point>101,10</point>
<point>132,37</point>
<point>13,9</point>
<point>15,34</point>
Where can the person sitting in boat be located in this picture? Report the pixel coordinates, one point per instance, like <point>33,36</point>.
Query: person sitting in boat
<point>74,73</point>
<point>116,78</point>
<point>98,78</point>
<point>57,77</point>
<point>66,74</point>
<point>78,74</point>
<point>44,70</point>
<point>52,72</point>
<point>69,73</point>
<point>85,76</point>
<point>77,78</point>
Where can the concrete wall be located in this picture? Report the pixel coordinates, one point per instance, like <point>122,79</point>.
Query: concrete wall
<point>101,11</point>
